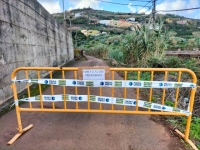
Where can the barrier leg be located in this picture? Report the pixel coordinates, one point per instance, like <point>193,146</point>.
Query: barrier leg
<point>189,119</point>
<point>187,140</point>
<point>187,130</point>
<point>190,109</point>
<point>21,131</point>
<point>19,134</point>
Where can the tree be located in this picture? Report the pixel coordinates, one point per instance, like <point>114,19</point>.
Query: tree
<point>144,43</point>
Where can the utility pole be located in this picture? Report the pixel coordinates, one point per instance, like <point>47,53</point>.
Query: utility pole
<point>70,23</point>
<point>64,20</point>
<point>64,8</point>
<point>70,16</point>
<point>154,13</point>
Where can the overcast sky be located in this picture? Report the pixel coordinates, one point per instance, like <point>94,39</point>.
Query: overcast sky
<point>54,6</point>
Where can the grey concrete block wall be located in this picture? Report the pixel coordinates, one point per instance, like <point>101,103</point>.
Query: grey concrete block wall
<point>29,36</point>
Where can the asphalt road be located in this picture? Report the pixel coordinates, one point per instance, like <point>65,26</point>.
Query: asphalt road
<point>87,131</point>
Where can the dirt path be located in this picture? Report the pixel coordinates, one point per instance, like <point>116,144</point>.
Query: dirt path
<point>85,131</point>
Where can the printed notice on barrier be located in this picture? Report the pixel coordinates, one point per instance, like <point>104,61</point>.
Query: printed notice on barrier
<point>97,74</point>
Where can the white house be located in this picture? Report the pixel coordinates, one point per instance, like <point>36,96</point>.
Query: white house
<point>106,22</point>
<point>130,20</point>
<point>181,21</point>
<point>78,15</point>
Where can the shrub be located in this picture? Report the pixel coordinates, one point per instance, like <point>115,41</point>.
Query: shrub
<point>100,51</point>
<point>196,34</point>
<point>142,44</point>
<point>115,54</point>
<point>172,62</point>
<point>114,39</point>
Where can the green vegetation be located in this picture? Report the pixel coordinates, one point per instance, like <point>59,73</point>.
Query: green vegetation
<point>145,76</point>
<point>143,47</point>
<point>173,62</point>
<point>180,123</point>
<point>169,103</point>
<point>99,50</point>
<point>185,36</point>
<point>137,49</point>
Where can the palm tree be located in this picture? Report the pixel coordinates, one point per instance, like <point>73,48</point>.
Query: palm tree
<point>144,43</point>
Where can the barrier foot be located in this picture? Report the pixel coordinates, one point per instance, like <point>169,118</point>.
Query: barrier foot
<point>19,134</point>
<point>187,140</point>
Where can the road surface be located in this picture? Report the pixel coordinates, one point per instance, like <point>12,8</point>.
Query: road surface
<point>86,131</point>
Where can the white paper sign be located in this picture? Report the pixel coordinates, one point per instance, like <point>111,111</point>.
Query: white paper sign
<point>98,74</point>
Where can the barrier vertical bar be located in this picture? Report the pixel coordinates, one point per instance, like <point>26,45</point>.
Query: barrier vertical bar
<point>177,90</point>
<point>88,91</point>
<point>40,90</point>
<point>52,89</point>
<point>17,108</point>
<point>125,78</point>
<point>164,89</point>
<point>64,91</point>
<point>187,130</point>
<point>19,122</point>
<point>76,88</point>
<point>151,89</point>
<point>28,88</point>
<point>100,93</point>
<point>137,92</point>
<point>113,90</point>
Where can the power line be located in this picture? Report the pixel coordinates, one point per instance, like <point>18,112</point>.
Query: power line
<point>140,0</point>
<point>119,3</point>
<point>144,6</point>
<point>139,10</point>
<point>136,14</point>
<point>148,10</point>
<point>178,9</point>
<point>149,7</point>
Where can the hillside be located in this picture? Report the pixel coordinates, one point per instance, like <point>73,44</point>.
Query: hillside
<point>145,47</point>
<point>170,21</point>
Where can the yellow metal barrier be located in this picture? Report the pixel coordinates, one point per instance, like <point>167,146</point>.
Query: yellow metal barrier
<point>126,71</point>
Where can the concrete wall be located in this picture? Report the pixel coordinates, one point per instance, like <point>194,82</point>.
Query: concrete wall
<point>29,36</point>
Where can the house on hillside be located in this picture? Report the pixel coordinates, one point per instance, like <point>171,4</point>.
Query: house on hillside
<point>119,23</point>
<point>106,22</point>
<point>124,23</point>
<point>181,22</point>
<point>93,20</point>
<point>130,20</point>
<point>113,23</point>
<point>78,14</point>
<point>169,20</point>
<point>90,32</point>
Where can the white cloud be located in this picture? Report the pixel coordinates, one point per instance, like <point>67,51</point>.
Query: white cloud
<point>84,4</point>
<point>132,9</point>
<point>70,8</point>
<point>144,10</point>
<point>178,4</point>
<point>52,6</point>
<point>138,9</point>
